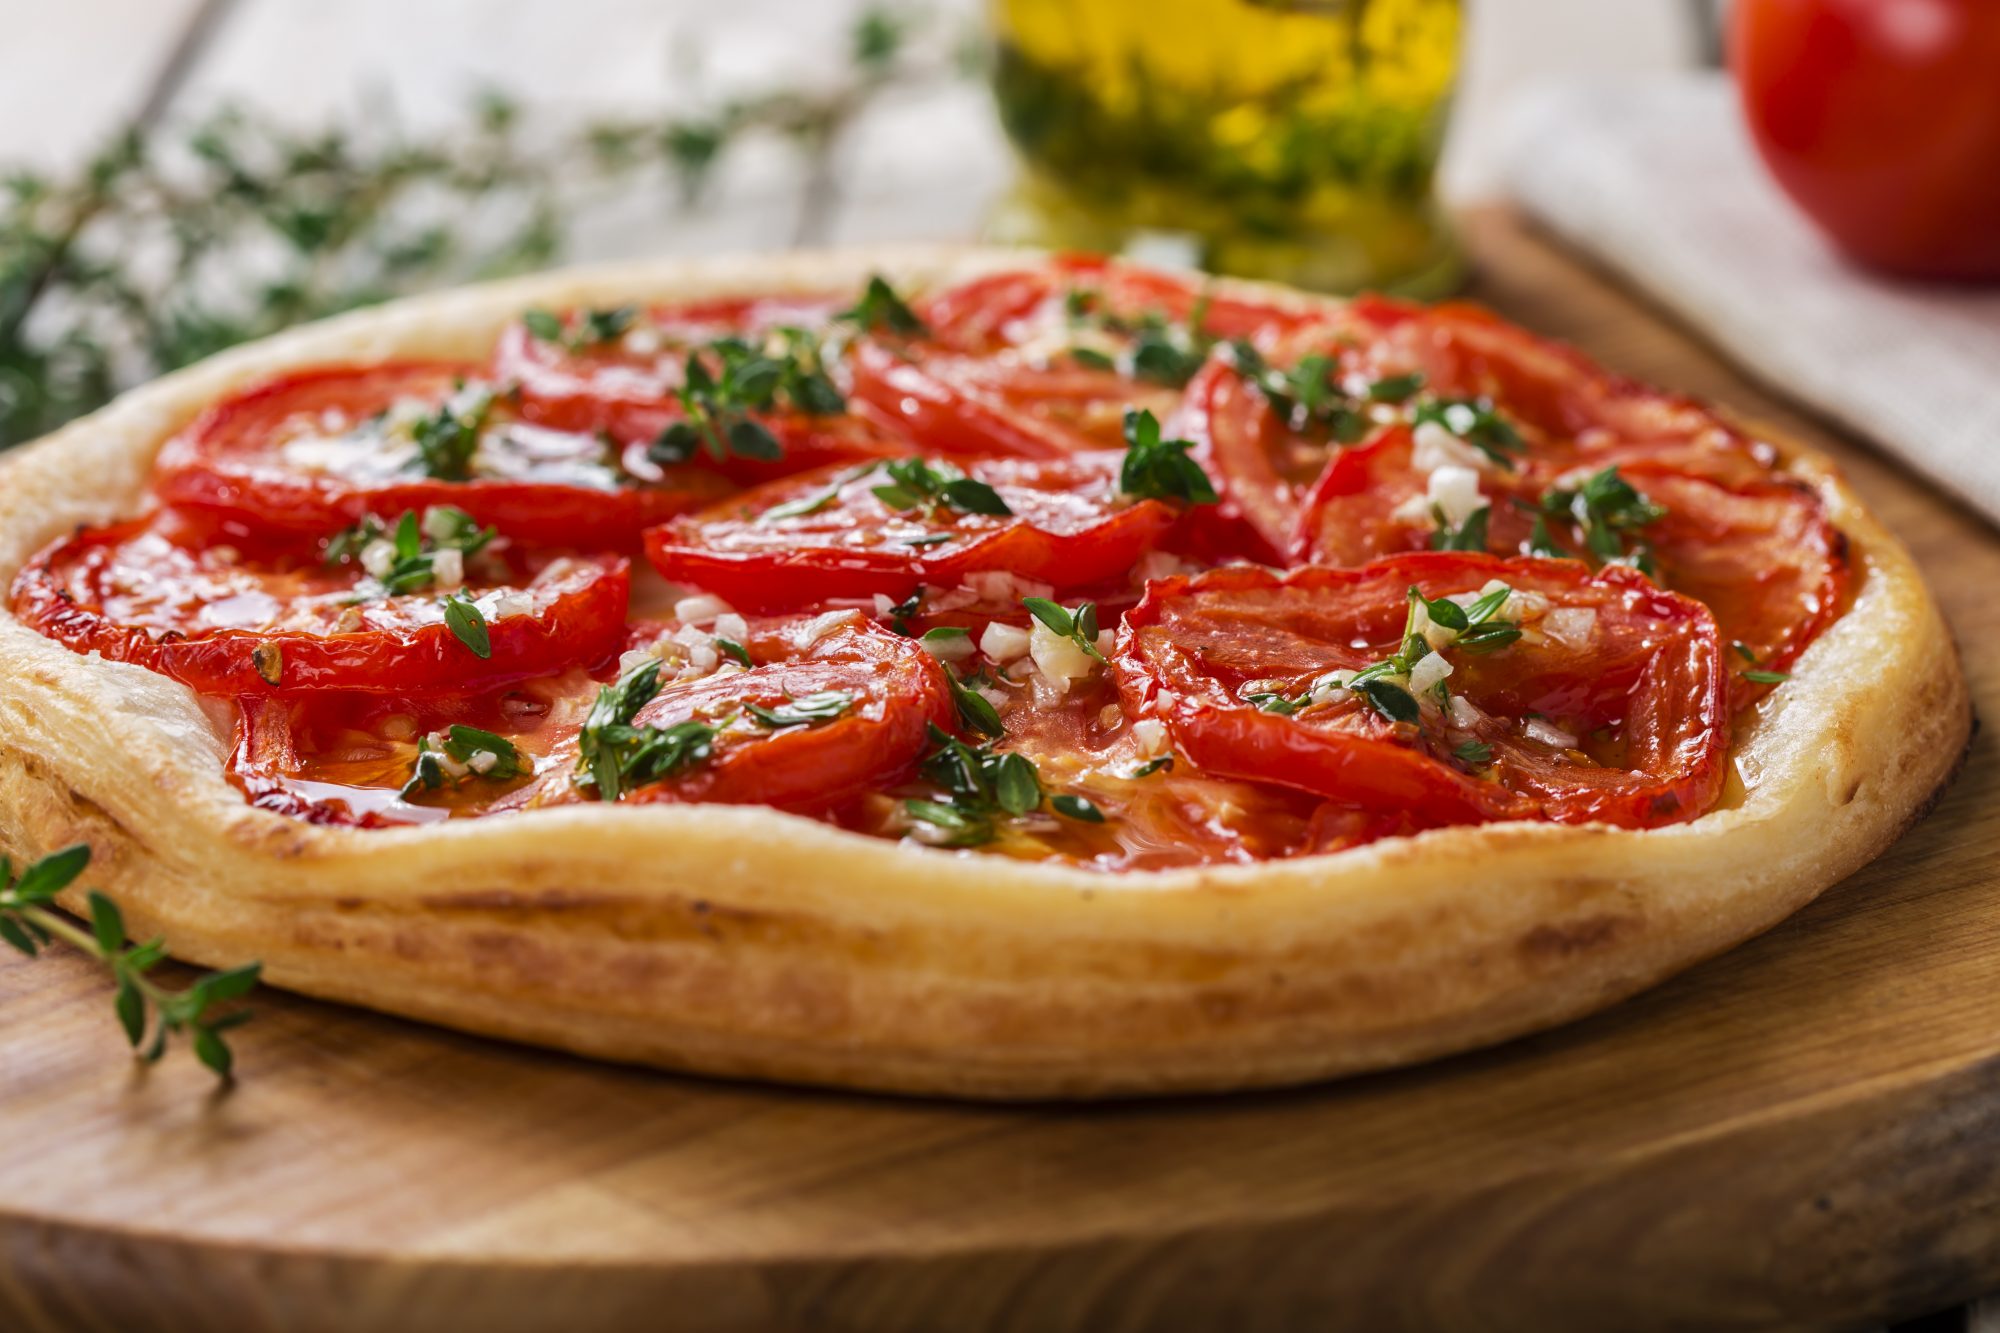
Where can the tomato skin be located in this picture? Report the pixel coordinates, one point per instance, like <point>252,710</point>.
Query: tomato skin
<point>223,464</point>
<point>632,398</point>
<point>61,593</point>
<point>1881,120</point>
<point>900,692</point>
<point>1068,530</point>
<point>905,392</point>
<point>1654,673</point>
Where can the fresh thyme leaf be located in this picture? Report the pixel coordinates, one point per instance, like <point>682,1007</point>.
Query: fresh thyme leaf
<point>880,310</point>
<point>468,624</point>
<point>916,484</point>
<point>1271,701</point>
<point>1607,510</point>
<point>447,439</point>
<point>1016,785</point>
<point>1307,398</point>
<point>1079,626</point>
<point>615,756</point>
<point>929,539</point>
<point>957,828</point>
<point>412,547</point>
<point>1767,677</point>
<point>27,923</point>
<point>945,634</point>
<point>1091,357</point>
<point>807,711</point>
<point>733,650</point>
<point>1076,807</point>
<point>1163,763</point>
<point>799,508</point>
<point>900,613</point>
<point>1392,701</point>
<point>1158,469</point>
<point>974,708</point>
<point>1396,388</point>
<point>1476,753</point>
<point>1477,422</point>
<point>1744,651</point>
<point>544,325</point>
<point>466,745</point>
<point>1468,536</point>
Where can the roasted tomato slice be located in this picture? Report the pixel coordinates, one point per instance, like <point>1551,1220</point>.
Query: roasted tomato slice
<point>828,708</point>
<point>1763,556</point>
<point>886,529</point>
<point>1261,468</point>
<point>619,373</point>
<point>1571,696</point>
<point>1098,303</point>
<point>229,623</point>
<point>336,757</point>
<point>317,449</point>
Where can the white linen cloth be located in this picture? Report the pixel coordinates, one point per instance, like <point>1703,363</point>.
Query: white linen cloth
<point>1659,181</point>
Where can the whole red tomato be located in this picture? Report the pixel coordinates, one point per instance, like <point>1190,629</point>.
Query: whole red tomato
<point>1881,119</point>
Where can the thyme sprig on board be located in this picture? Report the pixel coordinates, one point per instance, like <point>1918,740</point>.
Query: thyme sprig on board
<point>178,241</point>
<point>148,1012</point>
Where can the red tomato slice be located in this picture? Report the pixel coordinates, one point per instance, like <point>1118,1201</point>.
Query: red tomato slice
<point>345,758</point>
<point>337,757</point>
<point>225,625</point>
<point>1019,306</point>
<point>896,693</point>
<point>941,405</point>
<point>1620,719</point>
<point>625,387</point>
<point>1069,528</point>
<point>312,451</point>
<point>1763,556</point>
<point>1261,470</point>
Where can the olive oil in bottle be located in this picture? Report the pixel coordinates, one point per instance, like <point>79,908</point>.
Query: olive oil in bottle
<point>1294,140</point>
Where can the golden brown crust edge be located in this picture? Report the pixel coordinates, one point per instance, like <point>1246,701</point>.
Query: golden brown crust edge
<point>744,942</point>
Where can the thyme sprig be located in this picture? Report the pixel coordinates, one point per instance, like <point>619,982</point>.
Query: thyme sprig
<point>404,558</point>
<point>924,487</point>
<point>1607,511</point>
<point>1160,469</point>
<point>614,755</point>
<point>148,1012</point>
<point>175,242</point>
<point>982,787</point>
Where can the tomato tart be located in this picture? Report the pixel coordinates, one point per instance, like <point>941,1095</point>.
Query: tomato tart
<point>964,672</point>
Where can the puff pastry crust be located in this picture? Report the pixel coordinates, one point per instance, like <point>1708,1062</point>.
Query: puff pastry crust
<point>745,942</point>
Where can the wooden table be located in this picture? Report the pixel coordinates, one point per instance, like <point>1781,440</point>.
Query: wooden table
<point>1800,1134</point>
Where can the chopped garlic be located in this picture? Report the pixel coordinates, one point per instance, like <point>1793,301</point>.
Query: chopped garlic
<point>729,625</point>
<point>1004,643</point>
<point>482,761</point>
<point>1107,642</point>
<point>951,648</point>
<point>448,568</point>
<point>642,341</point>
<point>1464,715</point>
<point>1540,729</point>
<point>1159,565</point>
<point>700,607</point>
<point>1454,491</point>
<point>1331,687</point>
<point>1570,626</point>
<point>1429,670</point>
<point>1151,736</point>
<point>810,633</point>
<point>1110,716</point>
<point>1058,658</point>
<point>1435,447</point>
<point>379,557</point>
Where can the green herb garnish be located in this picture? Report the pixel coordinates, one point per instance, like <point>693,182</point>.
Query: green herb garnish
<point>467,623</point>
<point>614,756</point>
<point>1607,511</point>
<point>1477,422</point>
<point>415,544</point>
<point>916,484</point>
<point>29,923</point>
<point>464,746</point>
<point>1157,469</point>
<point>1757,675</point>
<point>591,328</point>
<point>447,439</point>
<point>981,787</point>
<point>1078,626</point>
<point>806,711</point>
<point>880,310</point>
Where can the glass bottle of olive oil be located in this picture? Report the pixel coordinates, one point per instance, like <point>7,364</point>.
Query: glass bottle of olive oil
<point>1287,139</point>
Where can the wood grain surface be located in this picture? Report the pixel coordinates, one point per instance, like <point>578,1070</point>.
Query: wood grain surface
<point>1803,1133</point>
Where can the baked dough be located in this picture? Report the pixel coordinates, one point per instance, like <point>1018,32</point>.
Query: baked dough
<point>746,942</point>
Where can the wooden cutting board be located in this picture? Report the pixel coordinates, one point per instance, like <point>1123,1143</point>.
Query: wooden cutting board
<point>1805,1132</point>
